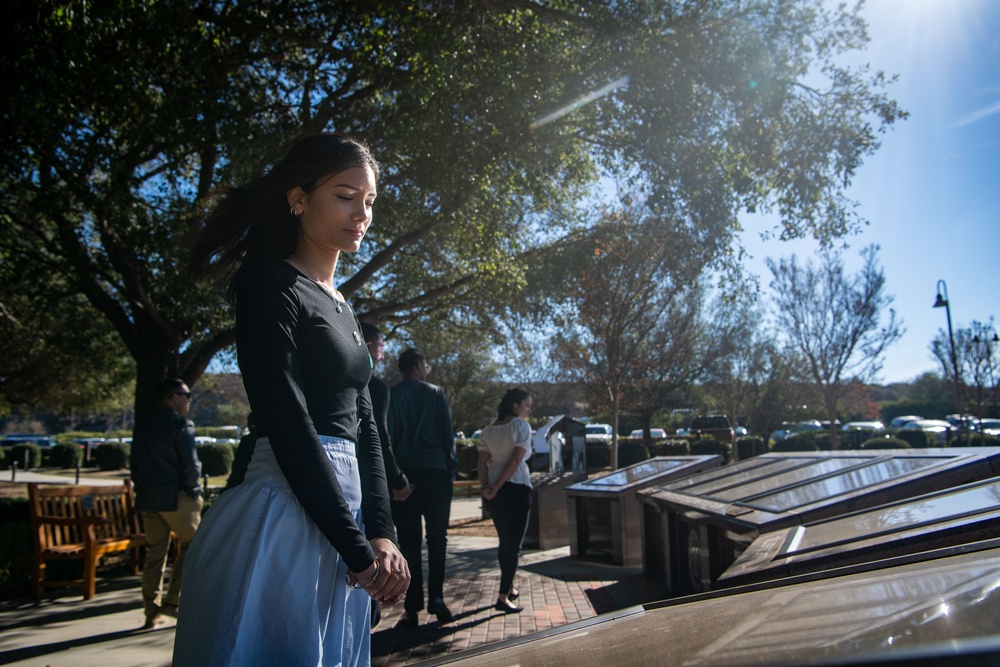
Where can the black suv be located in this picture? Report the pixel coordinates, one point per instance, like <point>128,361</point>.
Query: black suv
<point>717,426</point>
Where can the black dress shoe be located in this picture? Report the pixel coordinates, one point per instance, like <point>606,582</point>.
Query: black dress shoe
<point>513,595</point>
<point>439,609</point>
<point>508,607</point>
<point>409,619</point>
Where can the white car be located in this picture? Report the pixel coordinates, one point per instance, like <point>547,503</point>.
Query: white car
<point>598,433</point>
<point>654,433</point>
<point>863,426</point>
<point>939,427</point>
<point>989,426</point>
<point>900,422</point>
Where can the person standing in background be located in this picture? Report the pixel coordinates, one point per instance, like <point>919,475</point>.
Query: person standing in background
<point>379,391</point>
<point>166,472</point>
<point>422,438</point>
<point>505,481</point>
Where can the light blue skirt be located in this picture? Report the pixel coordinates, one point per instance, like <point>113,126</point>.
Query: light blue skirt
<point>263,586</point>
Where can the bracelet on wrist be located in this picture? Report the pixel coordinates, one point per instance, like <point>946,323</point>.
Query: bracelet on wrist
<point>357,584</point>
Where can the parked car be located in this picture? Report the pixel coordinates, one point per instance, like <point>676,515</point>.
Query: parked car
<point>965,422</point>
<point>40,440</point>
<point>989,426</point>
<point>654,433</point>
<point>683,431</point>
<point>900,422</point>
<point>939,427</point>
<point>598,433</point>
<point>717,426</point>
<point>863,426</point>
<point>810,425</point>
<point>782,432</point>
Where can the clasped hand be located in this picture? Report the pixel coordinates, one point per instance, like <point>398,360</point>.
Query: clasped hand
<point>386,579</point>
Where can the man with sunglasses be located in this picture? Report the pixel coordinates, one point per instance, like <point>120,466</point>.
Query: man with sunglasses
<point>166,472</point>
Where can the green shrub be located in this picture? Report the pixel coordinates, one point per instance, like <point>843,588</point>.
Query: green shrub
<point>111,455</point>
<point>468,461</point>
<point>796,443</point>
<point>65,455</point>
<point>712,447</point>
<point>598,455</point>
<point>631,451</point>
<point>885,442</point>
<point>17,454</point>
<point>749,446</point>
<point>671,448</point>
<point>216,458</point>
<point>981,440</point>
<point>916,438</point>
<point>4,464</point>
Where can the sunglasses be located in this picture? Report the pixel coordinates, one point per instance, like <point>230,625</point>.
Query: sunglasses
<point>185,394</point>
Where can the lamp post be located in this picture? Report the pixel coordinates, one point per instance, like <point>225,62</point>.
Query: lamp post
<point>942,302</point>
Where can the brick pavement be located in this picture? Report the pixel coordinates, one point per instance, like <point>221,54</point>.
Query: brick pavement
<point>555,589</point>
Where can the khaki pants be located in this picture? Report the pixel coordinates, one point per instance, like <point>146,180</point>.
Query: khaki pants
<point>158,525</point>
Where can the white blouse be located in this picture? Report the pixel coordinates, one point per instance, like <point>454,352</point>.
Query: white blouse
<point>500,440</point>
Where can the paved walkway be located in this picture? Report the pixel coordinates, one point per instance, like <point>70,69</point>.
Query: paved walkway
<point>555,589</point>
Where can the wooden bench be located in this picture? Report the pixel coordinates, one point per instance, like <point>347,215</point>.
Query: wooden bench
<point>82,523</point>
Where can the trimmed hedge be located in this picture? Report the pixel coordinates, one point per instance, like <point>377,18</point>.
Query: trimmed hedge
<point>749,446</point>
<point>66,455</point>
<point>216,458</point>
<point>712,447</point>
<point>796,443</point>
<point>111,455</point>
<point>916,438</point>
<point>18,451</point>
<point>885,442</point>
<point>631,451</point>
<point>672,448</point>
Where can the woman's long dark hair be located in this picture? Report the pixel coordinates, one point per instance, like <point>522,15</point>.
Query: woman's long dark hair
<point>255,221</point>
<point>511,398</point>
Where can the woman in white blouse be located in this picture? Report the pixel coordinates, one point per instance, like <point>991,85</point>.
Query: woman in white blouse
<point>505,480</point>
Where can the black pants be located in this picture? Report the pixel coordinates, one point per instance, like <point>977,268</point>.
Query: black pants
<point>431,501</point>
<point>509,511</point>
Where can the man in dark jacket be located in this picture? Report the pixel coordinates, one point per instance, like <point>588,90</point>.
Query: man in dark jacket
<point>166,472</point>
<point>379,392</point>
<point>420,430</point>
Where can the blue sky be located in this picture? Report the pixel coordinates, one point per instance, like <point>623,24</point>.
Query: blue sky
<point>932,192</point>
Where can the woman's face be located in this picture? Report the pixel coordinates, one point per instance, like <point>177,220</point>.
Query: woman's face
<point>336,215</point>
<point>523,409</point>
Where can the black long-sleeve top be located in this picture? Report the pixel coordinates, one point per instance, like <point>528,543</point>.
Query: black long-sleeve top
<point>306,370</point>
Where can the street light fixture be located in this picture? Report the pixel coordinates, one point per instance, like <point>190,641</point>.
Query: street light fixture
<point>942,302</point>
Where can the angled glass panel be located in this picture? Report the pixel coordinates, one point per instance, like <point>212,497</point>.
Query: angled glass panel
<point>795,476</point>
<point>838,485</point>
<point>899,516</point>
<point>733,475</point>
<point>635,473</point>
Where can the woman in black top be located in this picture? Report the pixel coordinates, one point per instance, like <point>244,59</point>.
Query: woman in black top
<point>285,565</point>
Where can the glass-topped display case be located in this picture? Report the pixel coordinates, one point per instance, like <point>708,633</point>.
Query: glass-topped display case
<point>964,514</point>
<point>604,514</point>
<point>940,610</point>
<point>695,528</point>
